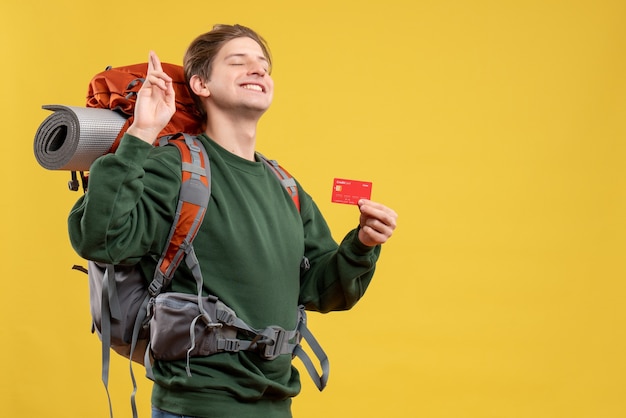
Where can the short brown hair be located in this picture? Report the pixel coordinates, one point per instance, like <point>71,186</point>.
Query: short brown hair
<point>201,52</point>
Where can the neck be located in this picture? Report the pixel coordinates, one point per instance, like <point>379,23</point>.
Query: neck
<point>235,133</point>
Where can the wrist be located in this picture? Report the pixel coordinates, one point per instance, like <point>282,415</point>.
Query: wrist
<point>360,242</point>
<point>146,135</point>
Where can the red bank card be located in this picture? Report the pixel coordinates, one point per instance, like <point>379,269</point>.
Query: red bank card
<point>351,191</point>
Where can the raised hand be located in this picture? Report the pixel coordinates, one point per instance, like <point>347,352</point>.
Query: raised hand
<point>155,103</point>
<point>377,222</point>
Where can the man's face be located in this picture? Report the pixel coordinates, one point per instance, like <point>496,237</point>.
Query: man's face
<point>239,78</point>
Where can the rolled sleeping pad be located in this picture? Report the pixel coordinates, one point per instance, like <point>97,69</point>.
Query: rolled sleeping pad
<point>71,138</point>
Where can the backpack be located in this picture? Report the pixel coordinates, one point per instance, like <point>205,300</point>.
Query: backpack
<point>127,311</point>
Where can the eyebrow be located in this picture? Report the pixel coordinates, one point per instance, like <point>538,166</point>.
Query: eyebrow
<point>241,55</point>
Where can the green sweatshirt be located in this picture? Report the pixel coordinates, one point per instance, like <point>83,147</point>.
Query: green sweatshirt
<point>249,246</point>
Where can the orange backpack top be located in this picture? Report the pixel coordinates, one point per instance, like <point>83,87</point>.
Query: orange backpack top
<point>116,88</point>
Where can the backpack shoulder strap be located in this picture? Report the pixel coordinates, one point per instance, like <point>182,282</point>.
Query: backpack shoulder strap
<point>193,200</point>
<point>286,179</point>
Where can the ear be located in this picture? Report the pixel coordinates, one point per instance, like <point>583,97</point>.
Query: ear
<point>199,87</point>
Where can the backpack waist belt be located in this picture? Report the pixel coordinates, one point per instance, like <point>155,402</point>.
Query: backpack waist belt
<point>180,329</point>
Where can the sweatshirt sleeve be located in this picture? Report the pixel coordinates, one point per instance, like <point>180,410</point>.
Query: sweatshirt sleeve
<point>339,274</point>
<point>131,193</point>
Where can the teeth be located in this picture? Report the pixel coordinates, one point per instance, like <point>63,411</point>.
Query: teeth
<point>252,87</point>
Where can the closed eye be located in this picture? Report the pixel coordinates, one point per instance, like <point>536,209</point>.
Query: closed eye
<point>233,59</point>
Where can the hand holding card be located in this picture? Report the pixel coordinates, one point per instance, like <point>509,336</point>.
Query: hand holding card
<point>377,222</point>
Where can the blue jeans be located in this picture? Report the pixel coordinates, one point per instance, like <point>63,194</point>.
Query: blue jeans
<point>157,413</point>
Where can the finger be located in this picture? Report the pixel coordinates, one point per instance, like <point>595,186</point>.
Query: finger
<point>377,205</point>
<point>154,63</point>
<point>372,237</point>
<point>377,211</point>
<point>156,75</point>
<point>378,226</point>
<point>160,80</point>
<point>151,55</point>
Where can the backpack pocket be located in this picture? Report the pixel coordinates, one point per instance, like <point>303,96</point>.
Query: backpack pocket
<point>179,329</point>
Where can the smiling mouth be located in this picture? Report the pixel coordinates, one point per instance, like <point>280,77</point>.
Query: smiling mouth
<point>254,87</point>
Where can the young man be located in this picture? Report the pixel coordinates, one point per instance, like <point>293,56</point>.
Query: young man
<point>251,242</point>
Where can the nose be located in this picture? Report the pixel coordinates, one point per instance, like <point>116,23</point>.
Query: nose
<point>257,68</point>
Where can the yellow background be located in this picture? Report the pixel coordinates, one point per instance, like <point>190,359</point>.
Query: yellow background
<point>494,128</point>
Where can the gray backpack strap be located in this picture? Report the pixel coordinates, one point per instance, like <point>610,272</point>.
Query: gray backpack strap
<point>288,182</point>
<point>319,380</point>
<point>211,322</point>
<point>109,295</point>
<point>195,191</point>
<point>140,322</point>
